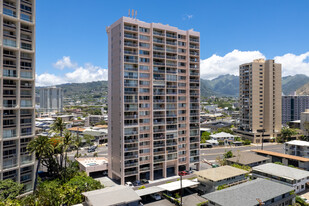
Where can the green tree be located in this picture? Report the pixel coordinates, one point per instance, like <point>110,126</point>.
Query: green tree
<point>74,188</point>
<point>58,126</point>
<point>205,136</point>
<point>66,142</point>
<point>228,154</point>
<point>42,147</point>
<point>88,138</point>
<point>9,190</point>
<point>286,134</point>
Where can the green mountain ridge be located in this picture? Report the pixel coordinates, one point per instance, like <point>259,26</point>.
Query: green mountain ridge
<point>224,85</point>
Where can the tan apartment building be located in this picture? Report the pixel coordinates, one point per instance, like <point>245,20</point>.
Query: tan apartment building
<point>17,73</point>
<point>154,89</point>
<point>260,100</point>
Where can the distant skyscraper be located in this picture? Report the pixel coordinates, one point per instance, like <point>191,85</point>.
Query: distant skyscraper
<point>51,99</point>
<point>153,109</point>
<point>293,106</point>
<point>260,99</point>
<point>17,67</point>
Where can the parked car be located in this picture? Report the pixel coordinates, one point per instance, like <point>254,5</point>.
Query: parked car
<point>129,184</point>
<point>137,183</point>
<point>91,150</point>
<point>156,196</point>
<point>144,181</point>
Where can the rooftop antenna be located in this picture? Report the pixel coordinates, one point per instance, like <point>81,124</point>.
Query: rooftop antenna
<point>135,13</point>
<point>132,13</point>
<point>129,13</point>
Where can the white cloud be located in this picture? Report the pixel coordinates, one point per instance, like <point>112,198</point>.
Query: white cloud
<point>81,74</point>
<point>294,64</point>
<point>65,62</point>
<point>215,65</point>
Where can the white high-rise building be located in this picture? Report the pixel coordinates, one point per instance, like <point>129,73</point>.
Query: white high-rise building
<point>17,73</point>
<point>51,99</point>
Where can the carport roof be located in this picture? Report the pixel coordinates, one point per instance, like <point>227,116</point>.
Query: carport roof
<point>148,191</point>
<point>176,185</point>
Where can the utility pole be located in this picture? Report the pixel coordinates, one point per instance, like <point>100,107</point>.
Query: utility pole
<point>181,174</point>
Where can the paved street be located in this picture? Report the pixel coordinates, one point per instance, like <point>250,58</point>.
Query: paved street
<point>102,152</point>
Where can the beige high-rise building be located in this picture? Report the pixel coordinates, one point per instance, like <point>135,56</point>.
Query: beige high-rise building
<point>260,100</point>
<point>17,73</point>
<point>153,109</point>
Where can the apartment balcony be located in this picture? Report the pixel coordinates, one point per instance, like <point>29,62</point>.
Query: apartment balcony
<point>174,43</point>
<point>9,162</point>
<point>194,40</point>
<point>194,80</point>
<point>174,36</point>
<point>157,167</point>
<point>131,156</point>
<point>143,169</point>
<point>156,33</point>
<point>133,140</point>
<point>130,28</point>
<point>9,133</point>
<point>9,104</point>
<point>157,48</point>
<point>26,134</point>
<point>171,143</point>
<point>171,50</point>
<point>194,139</point>
<point>26,75</point>
<point>158,63</point>
<point>130,173</point>
<point>194,159</point>
<point>194,46</point>
<point>9,43</point>
<point>159,144</point>
<point>159,160</point>
<point>158,122</point>
<point>130,44</point>
<point>160,41</point>
<point>131,60</point>
<point>159,137</point>
<point>159,152</point>
<point>9,10</point>
<point>194,53</point>
<point>131,164</point>
<point>158,130</point>
<point>130,36</point>
<point>131,52</point>
<point>26,159</point>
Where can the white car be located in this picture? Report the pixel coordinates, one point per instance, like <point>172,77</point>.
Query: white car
<point>156,196</point>
<point>129,184</point>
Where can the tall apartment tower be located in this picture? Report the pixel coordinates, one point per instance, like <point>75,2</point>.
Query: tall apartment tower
<point>51,99</point>
<point>293,106</point>
<point>154,89</point>
<point>17,73</point>
<point>260,100</point>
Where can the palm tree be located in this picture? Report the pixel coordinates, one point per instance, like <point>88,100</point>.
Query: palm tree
<point>66,143</point>
<point>58,126</point>
<point>42,147</point>
<point>76,143</point>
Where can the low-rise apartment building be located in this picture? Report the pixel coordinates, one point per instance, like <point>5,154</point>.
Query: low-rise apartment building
<point>248,159</point>
<point>253,193</point>
<point>297,147</point>
<point>285,159</point>
<point>210,179</point>
<point>289,176</point>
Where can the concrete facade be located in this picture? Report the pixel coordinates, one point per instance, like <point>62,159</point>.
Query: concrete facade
<point>304,122</point>
<point>51,99</point>
<point>292,107</point>
<point>17,82</point>
<point>153,100</point>
<point>260,100</point>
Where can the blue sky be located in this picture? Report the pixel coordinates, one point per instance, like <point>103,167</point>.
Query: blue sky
<point>72,32</point>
